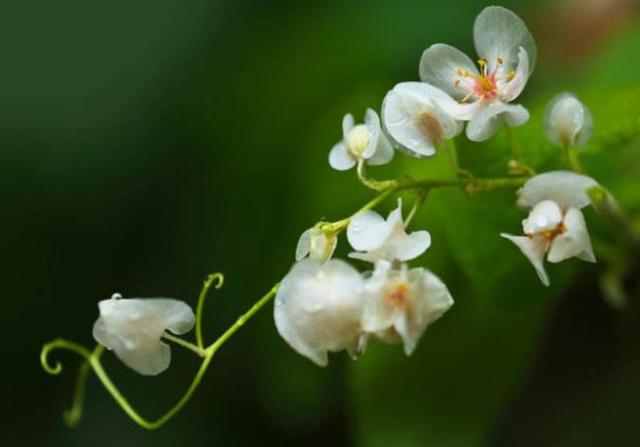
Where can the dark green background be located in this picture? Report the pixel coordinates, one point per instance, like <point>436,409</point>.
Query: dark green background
<point>145,144</point>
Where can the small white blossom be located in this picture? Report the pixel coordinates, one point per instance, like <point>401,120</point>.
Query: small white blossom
<point>567,121</point>
<point>555,227</point>
<point>316,244</point>
<point>413,113</point>
<point>132,328</point>
<point>507,54</point>
<point>318,307</point>
<point>375,238</point>
<point>400,304</point>
<point>362,142</point>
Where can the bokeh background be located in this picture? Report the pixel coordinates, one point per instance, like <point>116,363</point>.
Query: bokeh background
<point>146,144</point>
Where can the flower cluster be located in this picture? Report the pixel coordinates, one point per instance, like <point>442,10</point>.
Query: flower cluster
<point>325,305</point>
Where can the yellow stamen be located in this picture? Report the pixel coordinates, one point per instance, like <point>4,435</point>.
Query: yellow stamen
<point>482,63</point>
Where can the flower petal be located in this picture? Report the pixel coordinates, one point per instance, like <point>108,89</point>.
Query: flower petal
<point>383,153</point>
<point>545,216</point>
<point>488,119</point>
<point>574,242</point>
<point>377,313</point>
<point>511,90</point>
<point>431,299</point>
<point>567,121</point>
<point>372,122</point>
<point>347,125</point>
<point>304,245</point>
<point>317,308</point>
<point>148,360</point>
<point>340,158</point>
<point>439,66</point>
<point>413,115</point>
<point>407,247</point>
<point>498,33</point>
<point>368,231</point>
<point>566,188</point>
<point>534,250</point>
<point>132,328</point>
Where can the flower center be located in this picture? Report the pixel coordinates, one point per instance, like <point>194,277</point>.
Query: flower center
<point>397,293</point>
<point>550,235</point>
<point>358,139</point>
<point>484,85</point>
<point>430,126</point>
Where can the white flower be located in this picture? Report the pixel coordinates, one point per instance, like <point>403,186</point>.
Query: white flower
<point>132,328</point>
<point>567,121</point>
<point>318,307</point>
<point>555,227</point>
<point>507,54</point>
<point>400,304</point>
<point>375,238</point>
<point>413,115</point>
<point>316,244</point>
<point>566,188</point>
<point>362,142</point>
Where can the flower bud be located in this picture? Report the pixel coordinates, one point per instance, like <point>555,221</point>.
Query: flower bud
<point>568,122</point>
<point>317,244</point>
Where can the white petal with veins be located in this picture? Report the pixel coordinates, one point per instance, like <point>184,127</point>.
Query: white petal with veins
<point>498,33</point>
<point>414,115</point>
<point>133,327</point>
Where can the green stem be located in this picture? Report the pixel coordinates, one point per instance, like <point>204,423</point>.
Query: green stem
<point>416,204</point>
<point>471,185</point>
<point>185,344</point>
<point>242,320</point>
<point>73,415</point>
<point>219,278</point>
<point>606,206</point>
<point>572,160</point>
<point>339,225</point>
<point>371,183</point>
<point>516,149</point>
<point>450,150</point>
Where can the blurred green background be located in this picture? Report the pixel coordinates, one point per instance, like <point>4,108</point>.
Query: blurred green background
<point>146,144</point>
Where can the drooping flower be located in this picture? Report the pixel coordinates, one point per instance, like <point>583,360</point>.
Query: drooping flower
<point>318,307</point>
<point>507,54</point>
<point>133,328</point>
<point>375,238</point>
<point>413,113</point>
<point>362,142</point>
<point>400,303</point>
<point>316,244</point>
<point>555,227</point>
<point>568,122</point>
